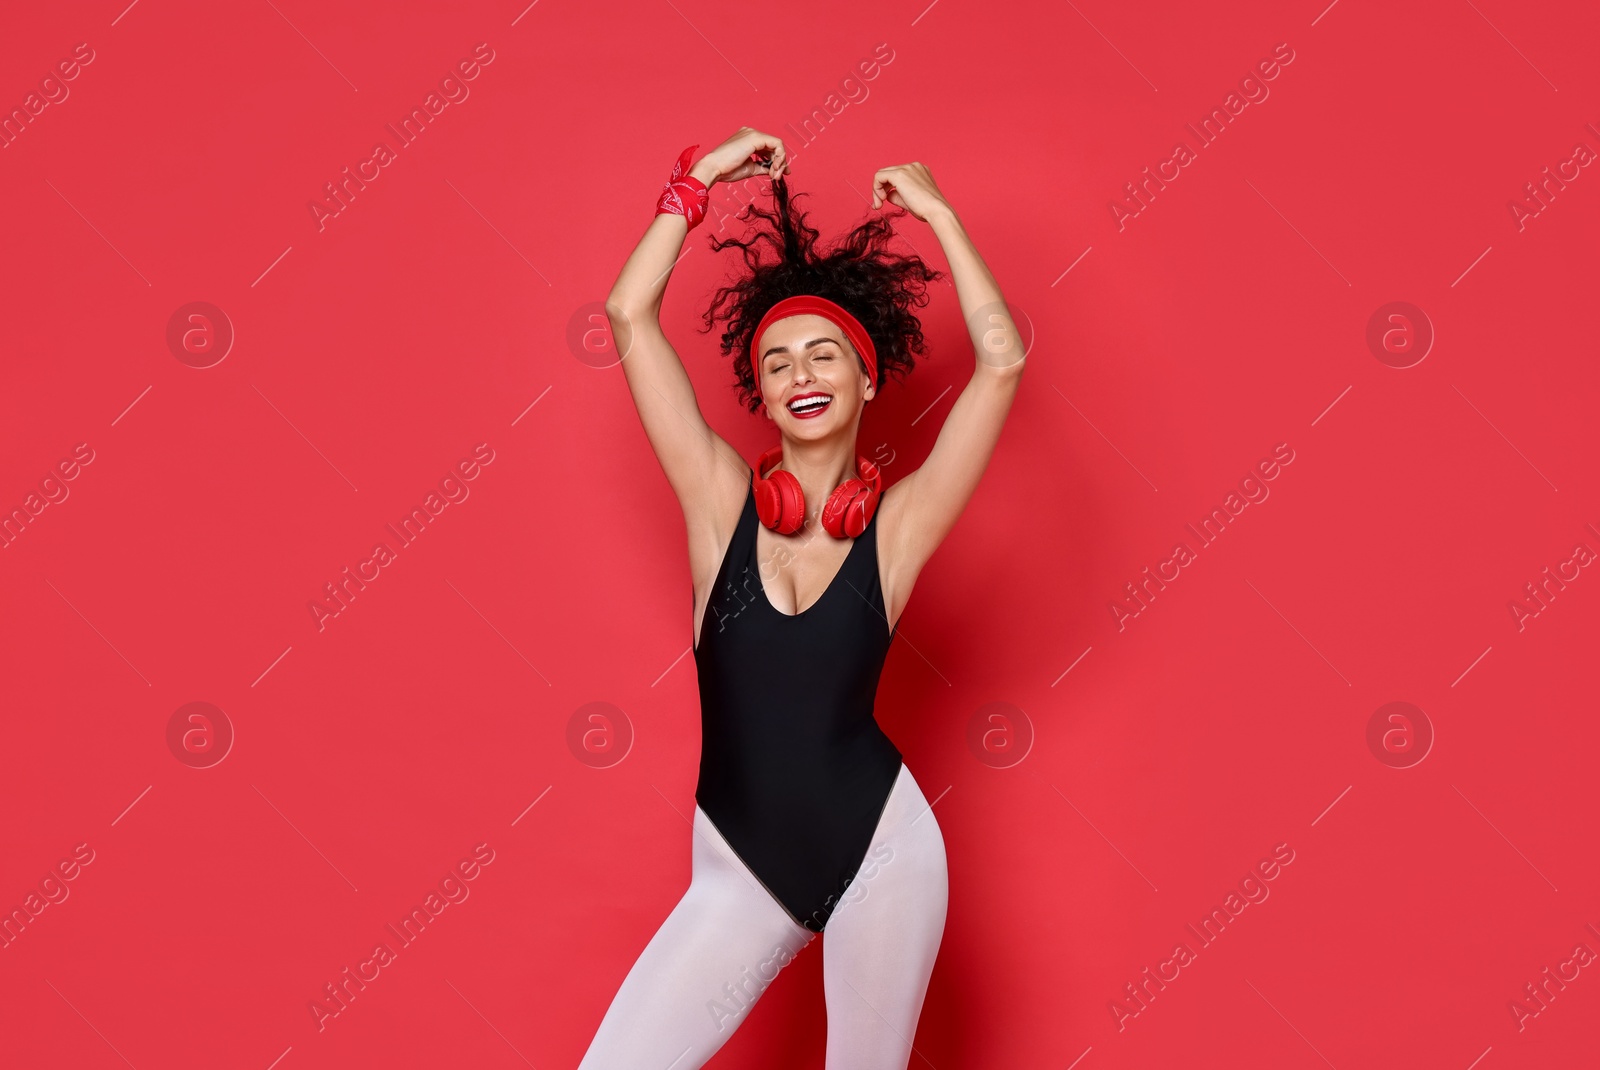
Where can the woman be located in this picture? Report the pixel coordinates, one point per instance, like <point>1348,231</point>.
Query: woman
<point>805,819</point>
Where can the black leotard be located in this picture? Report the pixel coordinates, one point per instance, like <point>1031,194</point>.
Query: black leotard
<point>794,770</point>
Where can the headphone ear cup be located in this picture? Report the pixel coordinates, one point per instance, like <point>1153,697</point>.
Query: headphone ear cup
<point>861,510</point>
<point>868,505</point>
<point>842,516</point>
<point>789,503</point>
<point>872,480</point>
<point>767,505</point>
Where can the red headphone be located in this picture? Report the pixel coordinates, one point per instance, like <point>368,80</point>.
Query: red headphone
<point>782,506</point>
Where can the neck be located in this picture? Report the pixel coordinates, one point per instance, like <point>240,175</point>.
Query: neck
<point>820,467</point>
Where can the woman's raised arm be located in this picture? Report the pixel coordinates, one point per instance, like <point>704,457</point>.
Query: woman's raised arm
<point>930,499</point>
<point>689,451</point>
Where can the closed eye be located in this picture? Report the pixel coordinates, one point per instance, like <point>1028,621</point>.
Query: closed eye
<point>818,354</point>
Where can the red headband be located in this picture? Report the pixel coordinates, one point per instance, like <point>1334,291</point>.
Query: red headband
<point>811,304</point>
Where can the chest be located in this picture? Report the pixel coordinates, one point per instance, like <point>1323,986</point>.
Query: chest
<point>797,570</point>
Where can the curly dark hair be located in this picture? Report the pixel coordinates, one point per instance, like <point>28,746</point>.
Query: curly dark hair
<point>877,287</point>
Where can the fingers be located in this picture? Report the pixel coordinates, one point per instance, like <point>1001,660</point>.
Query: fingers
<point>882,187</point>
<point>778,162</point>
<point>883,184</point>
<point>773,148</point>
<point>762,154</point>
<point>753,168</point>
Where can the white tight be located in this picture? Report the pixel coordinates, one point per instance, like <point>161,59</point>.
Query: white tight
<point>728,937</point>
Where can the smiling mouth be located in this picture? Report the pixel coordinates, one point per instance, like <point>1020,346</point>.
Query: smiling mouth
<point>810,406</point>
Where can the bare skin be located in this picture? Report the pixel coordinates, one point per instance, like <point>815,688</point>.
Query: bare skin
<point>805,354</point>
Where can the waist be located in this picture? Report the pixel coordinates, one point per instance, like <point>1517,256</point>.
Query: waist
<point>764,768</point>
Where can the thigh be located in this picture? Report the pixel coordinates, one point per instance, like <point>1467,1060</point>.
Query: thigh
<point>703,970</point>
<point>879,945</point>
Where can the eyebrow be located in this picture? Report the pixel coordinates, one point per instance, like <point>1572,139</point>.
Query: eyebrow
<point>809,345</point>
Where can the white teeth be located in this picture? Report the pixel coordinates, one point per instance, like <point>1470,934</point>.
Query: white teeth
<point>809,403</point>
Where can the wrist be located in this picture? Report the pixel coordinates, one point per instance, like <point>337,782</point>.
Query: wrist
<point>704,172</point>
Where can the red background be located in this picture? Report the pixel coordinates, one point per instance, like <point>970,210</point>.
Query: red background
<point>431,715</point>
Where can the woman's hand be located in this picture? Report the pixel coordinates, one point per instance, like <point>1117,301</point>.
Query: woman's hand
<point>909,186</point>
<point>732,160</point>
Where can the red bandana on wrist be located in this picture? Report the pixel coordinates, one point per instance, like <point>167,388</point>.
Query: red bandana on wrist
<point>684,194</point>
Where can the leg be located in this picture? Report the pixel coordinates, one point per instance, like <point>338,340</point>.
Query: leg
<point>879,945</point>
<point>702,971</point>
